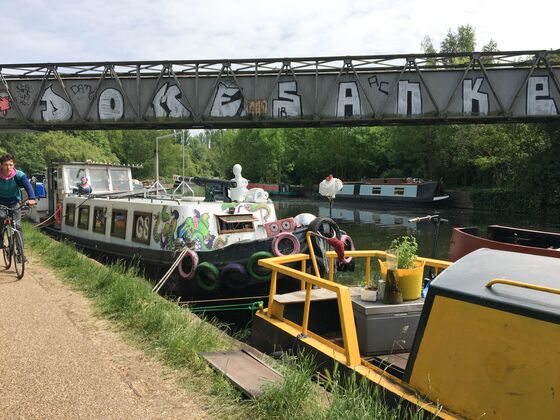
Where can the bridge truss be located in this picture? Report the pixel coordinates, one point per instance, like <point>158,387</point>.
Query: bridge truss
<point>475,87</point>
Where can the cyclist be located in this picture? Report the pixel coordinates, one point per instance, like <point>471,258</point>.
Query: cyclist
<point>11,180</point>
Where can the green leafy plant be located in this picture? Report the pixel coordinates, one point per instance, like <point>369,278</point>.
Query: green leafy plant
<point>407,249</point>
<point>373,284</point>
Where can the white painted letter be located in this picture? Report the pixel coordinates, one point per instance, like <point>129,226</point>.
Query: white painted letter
<point>474,101</point>
<point>348,103</point>
<point>539,101</point>
<point>228,101</point>
<point>288,103</point>
<point>410,99</point>
<point>166,103</point>
<point>111,105</point>
<point>56,108</point>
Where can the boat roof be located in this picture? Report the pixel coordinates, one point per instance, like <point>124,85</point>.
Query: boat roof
<point>467,279</point>
<point>91,163</point>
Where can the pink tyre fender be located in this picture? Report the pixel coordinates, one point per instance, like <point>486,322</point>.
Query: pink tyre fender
<point>187,265</point>
<point>348,246</point>
<point>285,236</point>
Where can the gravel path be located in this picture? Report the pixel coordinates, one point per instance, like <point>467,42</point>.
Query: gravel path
<point>59,361</point>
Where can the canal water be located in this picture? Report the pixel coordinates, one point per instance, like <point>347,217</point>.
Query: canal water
<point>374,226</point>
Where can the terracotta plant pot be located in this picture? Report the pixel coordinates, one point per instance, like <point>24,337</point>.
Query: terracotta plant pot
<point>410,279</point>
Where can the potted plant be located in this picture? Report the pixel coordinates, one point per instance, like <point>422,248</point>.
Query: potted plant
<point>409,271</point>
<point>369,291</point>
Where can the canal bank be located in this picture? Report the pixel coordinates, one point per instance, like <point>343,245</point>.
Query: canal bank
<point>164,335</point>
<point>59,360</point>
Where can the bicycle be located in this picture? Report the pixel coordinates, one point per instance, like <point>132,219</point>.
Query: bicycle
<point>12,242</point>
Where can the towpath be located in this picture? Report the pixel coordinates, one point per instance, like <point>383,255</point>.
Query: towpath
<point>59,361</point>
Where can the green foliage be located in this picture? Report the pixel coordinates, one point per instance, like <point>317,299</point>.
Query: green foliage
<point>513,157</point>
<point>354,397</point>
<point>407,249</point>
<point>462,40</point>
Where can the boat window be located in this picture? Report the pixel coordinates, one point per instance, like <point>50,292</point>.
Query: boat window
<point>83,217</point>
<point>70,214</point>
<point>235,223</point>
<point>99,179</point>
<point>73,175</point>
<point>118,223</point>
<point>399,191</point>
<point>142,227</point>
<point>99,219</point>
<point>120,179</point>
<point>376,190</point>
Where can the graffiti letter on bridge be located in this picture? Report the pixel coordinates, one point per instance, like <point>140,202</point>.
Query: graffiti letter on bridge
<point>409,99</point>
<point>539,101</point>
<point>288,103</point>
<point>55,108</point>
<point>111,105</point>
<point>166,103</point>
<point>474,101</point>
<point>228,101</point>
<point>348,102</point>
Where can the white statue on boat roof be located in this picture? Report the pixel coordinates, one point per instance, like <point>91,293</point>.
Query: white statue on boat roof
<point>240,193</point>
<point>330,186</point>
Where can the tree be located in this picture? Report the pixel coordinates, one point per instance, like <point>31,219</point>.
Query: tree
<point>463,40</point>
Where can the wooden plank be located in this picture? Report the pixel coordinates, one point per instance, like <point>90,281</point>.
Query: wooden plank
<point>399,360</point>
<point>250,374</point>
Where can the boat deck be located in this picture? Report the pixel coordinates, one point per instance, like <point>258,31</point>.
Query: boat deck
<point>395,361</point>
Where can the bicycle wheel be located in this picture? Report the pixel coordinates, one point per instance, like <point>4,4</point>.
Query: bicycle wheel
<point>7,248</point>
<point>19,258</point>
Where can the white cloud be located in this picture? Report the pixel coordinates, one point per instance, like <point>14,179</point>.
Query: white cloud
<point>35,31</point>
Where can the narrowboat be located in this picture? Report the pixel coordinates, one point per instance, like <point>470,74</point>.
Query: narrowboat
<point>467,239</point>
<point>211,242</point>
<point>483,343</point>
<point>394,190</point>
<point>283,190</point>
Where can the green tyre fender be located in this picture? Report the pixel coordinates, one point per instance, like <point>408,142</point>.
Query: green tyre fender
<point>253,268</point>
<point>207,276</point>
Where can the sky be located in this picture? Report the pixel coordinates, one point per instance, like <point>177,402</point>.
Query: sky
<point>36,31</point>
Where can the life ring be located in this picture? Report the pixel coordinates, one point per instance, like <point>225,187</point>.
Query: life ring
<point>207,276</point>
<point>257,272</point>
<point>348,246</point>
<point>234,276</point>
<point>58,213</point>
<point>283,237</point>
<point>187,265</point>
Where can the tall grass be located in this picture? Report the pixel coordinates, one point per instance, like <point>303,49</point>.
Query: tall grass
<point>158,326</point>
<point>176,336</point>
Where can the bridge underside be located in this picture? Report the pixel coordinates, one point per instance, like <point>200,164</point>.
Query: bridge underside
<point>485,87</point>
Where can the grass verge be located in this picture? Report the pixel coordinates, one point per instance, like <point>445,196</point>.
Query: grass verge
<point>175,336</point>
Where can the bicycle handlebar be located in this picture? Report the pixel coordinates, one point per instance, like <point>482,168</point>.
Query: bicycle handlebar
<point>20,207</point>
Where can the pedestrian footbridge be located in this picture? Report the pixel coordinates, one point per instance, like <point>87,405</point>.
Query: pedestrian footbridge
<point>520,86</point>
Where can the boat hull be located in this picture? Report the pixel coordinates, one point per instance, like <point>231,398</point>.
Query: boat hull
<point>526,241</point>
<point>156,263</point>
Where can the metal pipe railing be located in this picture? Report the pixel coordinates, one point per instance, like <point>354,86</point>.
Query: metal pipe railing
<point>349,336</point>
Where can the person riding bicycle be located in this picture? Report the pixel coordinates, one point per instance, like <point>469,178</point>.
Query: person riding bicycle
<point>11,180</point>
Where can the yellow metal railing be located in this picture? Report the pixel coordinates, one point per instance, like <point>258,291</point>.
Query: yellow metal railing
<point>346,314</point>
<point>523,285</point>
<point>349,337</point>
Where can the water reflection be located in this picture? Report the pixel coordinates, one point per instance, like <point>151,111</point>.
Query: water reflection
<point>375,226</point>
